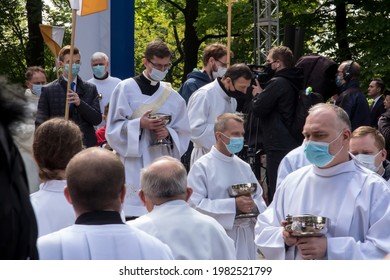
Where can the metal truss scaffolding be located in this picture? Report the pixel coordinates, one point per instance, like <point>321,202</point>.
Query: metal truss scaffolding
<point>266,16</point>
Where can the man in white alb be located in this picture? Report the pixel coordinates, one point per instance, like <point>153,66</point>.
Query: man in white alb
<point>354,199</point>
<point>212,177</point>
<point>95,188</point>
<point>212,100</point>
<point>190,235</point>
<point>104,82</point>
<point>131,130</point>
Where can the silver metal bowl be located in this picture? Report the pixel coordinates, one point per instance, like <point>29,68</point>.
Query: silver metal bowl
<point>307,225</point>
<point>243,189</point>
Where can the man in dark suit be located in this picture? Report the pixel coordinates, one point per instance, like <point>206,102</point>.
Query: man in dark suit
<point>84,107</point>
<point>375,91</point>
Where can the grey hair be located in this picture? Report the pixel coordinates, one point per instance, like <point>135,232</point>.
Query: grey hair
<point>220,123</point>
<point>342,116</point>
<point>157,184</point>
<point>99,55</point>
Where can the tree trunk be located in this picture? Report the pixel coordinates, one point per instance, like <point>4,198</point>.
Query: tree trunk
<point>344,53</point>
<point>191,41</point>
<point>35,47</point>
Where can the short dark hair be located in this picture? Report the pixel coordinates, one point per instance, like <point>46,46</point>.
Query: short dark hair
<point>284,54</point>
<point>157,48</point>
<point>31,70</point>
<point>66,50</point>
<point>237,71</point>
<point>214,50</point>
<point>95,178</point>
<point>379,83</point>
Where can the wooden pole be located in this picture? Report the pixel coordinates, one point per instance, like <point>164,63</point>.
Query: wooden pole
<point>70,78</point>
<point>229,31</point>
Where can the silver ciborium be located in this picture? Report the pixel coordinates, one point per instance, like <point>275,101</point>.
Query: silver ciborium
<point>166,119</point>
<point>307,225</point>
<point>247,189</point>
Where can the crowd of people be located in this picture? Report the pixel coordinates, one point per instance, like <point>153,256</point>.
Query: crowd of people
<point>142,171</point>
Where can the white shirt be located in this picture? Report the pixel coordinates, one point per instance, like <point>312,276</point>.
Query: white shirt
<point>105,88</point>
<point>355,199</point>
<point>102,242</point>
<point>211,176</point>
<point>52,210</point>
<point>204,106</point>
<point>190,234</point>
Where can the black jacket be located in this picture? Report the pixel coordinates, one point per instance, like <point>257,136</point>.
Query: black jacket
<point>52,104</point>
<point>275,107</point>
<point>19,232</point>
<point>353,101</point>
<point>376,111</point>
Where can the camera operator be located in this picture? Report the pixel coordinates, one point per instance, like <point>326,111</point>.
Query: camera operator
<point>275,107</point>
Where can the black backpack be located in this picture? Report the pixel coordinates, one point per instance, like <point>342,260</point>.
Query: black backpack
<point>306,99</point>
<point>319,73</point>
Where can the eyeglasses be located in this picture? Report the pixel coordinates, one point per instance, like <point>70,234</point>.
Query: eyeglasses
<point>160,66</point>
<point>222,63</point>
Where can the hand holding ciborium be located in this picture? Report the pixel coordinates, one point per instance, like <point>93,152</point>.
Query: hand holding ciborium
<point>247,189</point>
<point>166,120</point>
<point>306,225</point>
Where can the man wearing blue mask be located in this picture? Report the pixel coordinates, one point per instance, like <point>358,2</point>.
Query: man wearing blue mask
<point>84,108</point>
<point>368,146</point>
<point>102,79</point>
<point>354,199</point>
<point>212,177</point>
<point>133,129</point>
<point>35,80</point>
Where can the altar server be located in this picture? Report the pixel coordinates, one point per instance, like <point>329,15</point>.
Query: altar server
<point>212,100</point>
<point>130,130</point>
<point>52,210</point>
<point>355,199</point>
<point>190,234</point>
<point>213,175</point>
<point>95,188</point>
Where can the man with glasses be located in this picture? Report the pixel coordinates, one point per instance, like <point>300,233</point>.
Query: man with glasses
<point>84,108</point>
<point>275,107</point>
<point>212,100</point>
<point>132,130</point>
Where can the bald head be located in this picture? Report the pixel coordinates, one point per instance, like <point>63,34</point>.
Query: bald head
<point>164,178</point>
<point>95,179</point>
<point>338,115</point>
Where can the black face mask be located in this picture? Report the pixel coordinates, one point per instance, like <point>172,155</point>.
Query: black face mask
<point>234,93</point>
<point>268,70</point>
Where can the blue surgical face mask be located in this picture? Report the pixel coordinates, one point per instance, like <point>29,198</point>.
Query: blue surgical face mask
<point>235,145</point>
<point>368,161</point>
<point>37,89</point>
<point>318,152</point>
<point>75,69</point>
<point>158,75</point>
<point>99,71</point>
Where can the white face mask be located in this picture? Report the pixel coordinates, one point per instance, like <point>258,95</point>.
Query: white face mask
<point>220,72</point>
<point>158,75</point>
<point>368,161</point>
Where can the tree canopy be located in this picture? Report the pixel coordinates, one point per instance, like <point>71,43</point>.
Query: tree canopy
<point>340,29</point>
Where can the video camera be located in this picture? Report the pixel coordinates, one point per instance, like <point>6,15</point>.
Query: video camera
<point>261,73</point>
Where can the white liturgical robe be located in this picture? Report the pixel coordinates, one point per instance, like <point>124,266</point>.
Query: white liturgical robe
<point>204,106</point>
<point>105,88</point>
<point>355,199</point>
<point>211,176</point>
<point>52,210</point>
<point>102,242</point>
<point>135,145</point>
<point>190,235</point>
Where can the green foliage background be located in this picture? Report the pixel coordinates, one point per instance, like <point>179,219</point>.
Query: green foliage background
<point>368,29</point>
